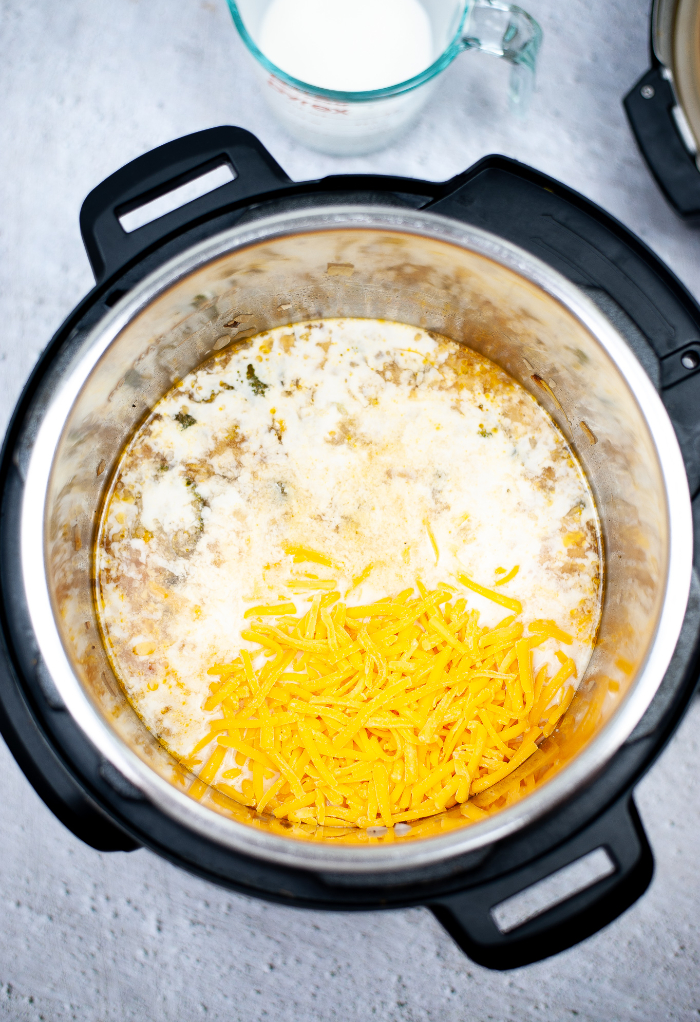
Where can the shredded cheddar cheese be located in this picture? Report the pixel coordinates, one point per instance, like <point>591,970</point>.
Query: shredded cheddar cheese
<point>382,713</point>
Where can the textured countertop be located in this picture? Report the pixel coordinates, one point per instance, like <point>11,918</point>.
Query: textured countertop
<point>85,87</point>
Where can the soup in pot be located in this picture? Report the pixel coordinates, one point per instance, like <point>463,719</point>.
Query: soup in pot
<point>349,573</point>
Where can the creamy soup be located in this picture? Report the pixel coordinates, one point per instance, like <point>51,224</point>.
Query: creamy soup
<point>352,456</point>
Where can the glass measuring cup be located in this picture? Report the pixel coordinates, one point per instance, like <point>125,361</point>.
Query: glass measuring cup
<point>354,123</point>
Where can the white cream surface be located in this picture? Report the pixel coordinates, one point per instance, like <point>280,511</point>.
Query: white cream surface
<point>348,45</point>
<point>357,439</point>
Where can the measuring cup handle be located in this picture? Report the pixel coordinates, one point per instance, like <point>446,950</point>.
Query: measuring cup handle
<point>506,31</point>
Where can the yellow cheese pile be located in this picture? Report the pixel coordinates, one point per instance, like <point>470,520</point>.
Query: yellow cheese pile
<point>380,714</point>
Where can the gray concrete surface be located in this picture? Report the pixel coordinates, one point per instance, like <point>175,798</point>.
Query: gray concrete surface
<point>84,87</point>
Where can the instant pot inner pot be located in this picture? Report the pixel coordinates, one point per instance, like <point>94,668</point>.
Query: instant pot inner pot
<point>150,340</point>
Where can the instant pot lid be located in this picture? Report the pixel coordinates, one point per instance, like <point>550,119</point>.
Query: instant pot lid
<point>676,40</point>
<point>663,107</point>
<point>241,837</point>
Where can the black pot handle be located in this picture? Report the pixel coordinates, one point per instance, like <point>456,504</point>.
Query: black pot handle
<point>649,106</point>
<point>110,248</point>
<point>468,916</point>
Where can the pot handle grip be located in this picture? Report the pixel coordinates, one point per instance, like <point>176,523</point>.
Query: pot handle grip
<point>657,121</point>
<point>229,154</point>
<point>470,916</point>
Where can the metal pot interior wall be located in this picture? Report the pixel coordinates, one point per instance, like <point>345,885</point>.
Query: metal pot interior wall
<point>379,273</point>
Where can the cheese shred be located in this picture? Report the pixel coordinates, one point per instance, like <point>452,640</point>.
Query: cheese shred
<point>385,713</point>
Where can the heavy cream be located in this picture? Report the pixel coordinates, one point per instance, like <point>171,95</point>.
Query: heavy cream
<point>361,453</point>
<point>348,45</point>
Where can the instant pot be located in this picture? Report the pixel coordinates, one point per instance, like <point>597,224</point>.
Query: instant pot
<point>501,258</point>
<point>664,106</point>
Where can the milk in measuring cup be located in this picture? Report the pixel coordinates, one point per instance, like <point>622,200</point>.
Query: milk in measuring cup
<point>348,77</point>
<point>348,45</point>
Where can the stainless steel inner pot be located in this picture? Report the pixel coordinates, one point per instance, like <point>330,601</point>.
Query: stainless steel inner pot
<point>377,262</point>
